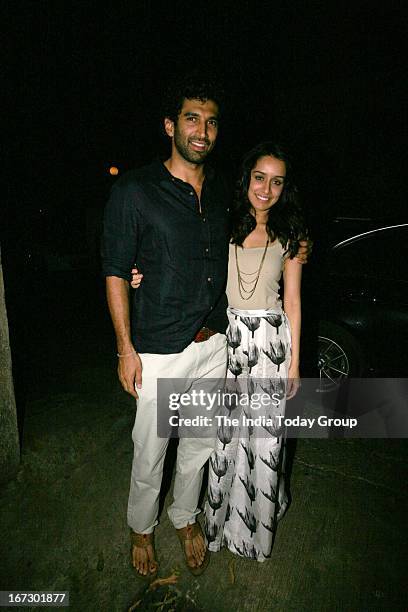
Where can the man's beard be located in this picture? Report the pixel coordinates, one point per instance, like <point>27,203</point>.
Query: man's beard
<point>194,157</point>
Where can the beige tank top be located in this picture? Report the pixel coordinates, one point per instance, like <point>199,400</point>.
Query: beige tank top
<point>266,294</point>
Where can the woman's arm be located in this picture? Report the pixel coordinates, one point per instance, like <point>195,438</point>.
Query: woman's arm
<point>292,276</point>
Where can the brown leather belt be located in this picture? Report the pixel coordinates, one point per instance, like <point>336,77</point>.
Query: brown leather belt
<point>203,334</point>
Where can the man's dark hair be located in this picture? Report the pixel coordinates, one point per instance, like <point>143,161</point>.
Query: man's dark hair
<point>191,86</point>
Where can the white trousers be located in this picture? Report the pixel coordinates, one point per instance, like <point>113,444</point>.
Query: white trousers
<point>199,360</point>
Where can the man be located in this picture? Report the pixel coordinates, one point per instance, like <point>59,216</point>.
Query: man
<point>172,219</point>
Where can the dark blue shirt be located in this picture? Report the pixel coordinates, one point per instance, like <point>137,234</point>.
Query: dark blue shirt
<point>153,219</point>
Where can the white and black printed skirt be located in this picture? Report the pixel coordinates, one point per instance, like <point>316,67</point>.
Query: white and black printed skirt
<point>246,488</point>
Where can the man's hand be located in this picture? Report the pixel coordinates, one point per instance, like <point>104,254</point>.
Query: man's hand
<point>305,248</point>
<point>136,278</point>
<point>129,366</point>
<point>130,373</point>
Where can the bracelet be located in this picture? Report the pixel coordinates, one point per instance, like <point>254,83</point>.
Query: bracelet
<point>126,354</point>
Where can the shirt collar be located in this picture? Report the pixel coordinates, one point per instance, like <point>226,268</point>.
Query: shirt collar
<point>164,175</point>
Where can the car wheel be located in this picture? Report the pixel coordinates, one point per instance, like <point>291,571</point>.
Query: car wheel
<point>339,357</point>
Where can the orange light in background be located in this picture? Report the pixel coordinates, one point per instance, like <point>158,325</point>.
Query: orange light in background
<point>113,171</point>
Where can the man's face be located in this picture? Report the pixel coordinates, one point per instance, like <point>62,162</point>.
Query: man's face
<point>195,132</point>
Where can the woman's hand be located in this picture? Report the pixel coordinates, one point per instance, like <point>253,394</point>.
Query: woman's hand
<point>136,278</point>
<point>293,382</point>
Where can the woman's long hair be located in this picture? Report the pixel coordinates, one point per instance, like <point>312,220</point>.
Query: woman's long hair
<point>285,218</point>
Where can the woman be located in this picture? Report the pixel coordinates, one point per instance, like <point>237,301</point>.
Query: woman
<point>246,492</point>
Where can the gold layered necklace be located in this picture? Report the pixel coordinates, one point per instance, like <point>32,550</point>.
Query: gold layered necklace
<point>247,281</point>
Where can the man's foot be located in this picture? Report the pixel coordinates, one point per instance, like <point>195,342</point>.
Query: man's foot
<point>143,554</point>
<point>194,548</point>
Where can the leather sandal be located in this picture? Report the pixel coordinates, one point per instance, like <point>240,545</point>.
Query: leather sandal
<point>186,534</point>
<point>144,540</point>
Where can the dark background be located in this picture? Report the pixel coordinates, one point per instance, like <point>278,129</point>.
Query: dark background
<point>83,86</point>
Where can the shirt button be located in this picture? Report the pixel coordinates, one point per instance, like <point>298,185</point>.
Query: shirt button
<point>206,250</point>
<point>204,219</point>
<point>191,192</point>
<point>209,279</point>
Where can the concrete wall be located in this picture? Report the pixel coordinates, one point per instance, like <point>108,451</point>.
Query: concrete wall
<point>9,441</point>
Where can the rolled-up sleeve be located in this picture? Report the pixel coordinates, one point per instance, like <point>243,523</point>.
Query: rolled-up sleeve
<point>120,233</point>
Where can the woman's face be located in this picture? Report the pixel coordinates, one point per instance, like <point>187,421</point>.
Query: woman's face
<point>267,182</point>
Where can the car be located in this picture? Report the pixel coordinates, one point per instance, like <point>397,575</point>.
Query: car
<point>362,306</point>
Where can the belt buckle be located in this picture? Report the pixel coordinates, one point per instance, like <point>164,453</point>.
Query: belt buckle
<point>203,334</point>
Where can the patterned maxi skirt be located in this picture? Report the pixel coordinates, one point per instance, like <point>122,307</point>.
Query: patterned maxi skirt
<point>246,488</point>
